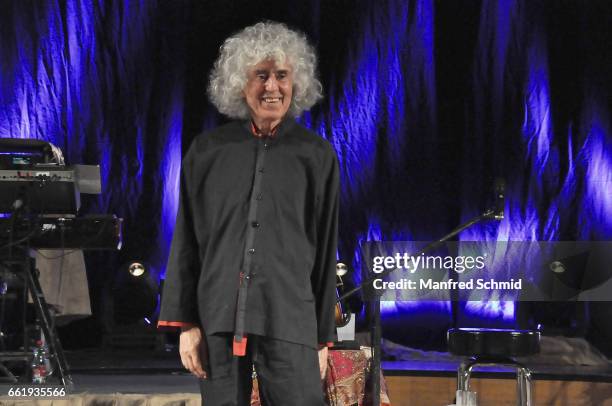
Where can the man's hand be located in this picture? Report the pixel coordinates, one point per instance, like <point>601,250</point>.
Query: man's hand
<point>323,361</point>
<point>193,351</point>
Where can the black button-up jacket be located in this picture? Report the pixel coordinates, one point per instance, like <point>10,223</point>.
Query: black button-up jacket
<point>264,212</point>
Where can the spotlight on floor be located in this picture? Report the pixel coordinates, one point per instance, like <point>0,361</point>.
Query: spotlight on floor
<point>136,269</point>
<point>135,293</point>
<point>131,303</point>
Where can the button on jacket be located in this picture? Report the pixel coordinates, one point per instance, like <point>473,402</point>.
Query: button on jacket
<point>260,213</point>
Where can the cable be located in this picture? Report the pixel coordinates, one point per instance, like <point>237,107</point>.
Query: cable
<point>11,244</point>
<point>3,308</point>
<point>49,257</point>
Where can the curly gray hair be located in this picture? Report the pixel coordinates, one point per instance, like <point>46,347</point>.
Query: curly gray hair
<point>263,41</point>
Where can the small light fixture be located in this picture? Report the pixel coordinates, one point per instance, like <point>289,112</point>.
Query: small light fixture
<point>557,267</point>
<point>134,293</point>
<point>341,269</point>
<point>341,318</point>
<point>136,269</point>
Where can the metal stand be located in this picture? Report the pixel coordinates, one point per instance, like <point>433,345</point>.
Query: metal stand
<point>375,302</point>
<point>524,384</point>
<point>376,337</point>
<point>8,376</point>
<point>26,265</point>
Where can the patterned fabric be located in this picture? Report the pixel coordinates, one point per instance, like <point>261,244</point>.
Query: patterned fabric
<point>347,381</point>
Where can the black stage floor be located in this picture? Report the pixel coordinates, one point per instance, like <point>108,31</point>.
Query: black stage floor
<point>162,372</point>
<point>99,371</point>
<point>144,372</point>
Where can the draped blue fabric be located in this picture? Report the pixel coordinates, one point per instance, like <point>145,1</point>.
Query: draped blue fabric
<point>104,82</point>
<point>426,102</point>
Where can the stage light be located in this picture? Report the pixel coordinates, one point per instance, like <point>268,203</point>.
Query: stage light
<point>136,269</point>
<point>557,267</point>
<point>134,293</point>
<point>342,317</point>
<point>341,269</point>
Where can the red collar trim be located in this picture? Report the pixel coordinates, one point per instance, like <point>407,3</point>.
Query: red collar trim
<point>257,132</point>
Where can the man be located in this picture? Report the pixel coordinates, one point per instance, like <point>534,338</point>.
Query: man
<point>251,273</point>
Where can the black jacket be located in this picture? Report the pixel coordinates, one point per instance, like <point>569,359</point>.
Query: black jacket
<point>266,209</point>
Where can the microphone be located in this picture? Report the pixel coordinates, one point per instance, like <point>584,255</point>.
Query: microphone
<point>18,204</point>
<point>500,198</point>
<point>18,207</point>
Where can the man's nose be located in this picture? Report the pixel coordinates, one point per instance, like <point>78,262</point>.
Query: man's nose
<point>271,84</point>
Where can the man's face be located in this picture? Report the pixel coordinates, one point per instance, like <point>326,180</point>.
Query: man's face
<point>268,91</point>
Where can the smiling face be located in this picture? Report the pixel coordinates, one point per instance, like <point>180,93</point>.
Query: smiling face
<point>268,93</point>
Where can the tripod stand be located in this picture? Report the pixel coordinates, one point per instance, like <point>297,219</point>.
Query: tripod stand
<point>19,262</point>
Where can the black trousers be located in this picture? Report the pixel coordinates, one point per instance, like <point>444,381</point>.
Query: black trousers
<point>287,373</point>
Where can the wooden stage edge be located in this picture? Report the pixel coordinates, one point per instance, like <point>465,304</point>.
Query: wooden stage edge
<point>440,391</point>
<point>403,390</point>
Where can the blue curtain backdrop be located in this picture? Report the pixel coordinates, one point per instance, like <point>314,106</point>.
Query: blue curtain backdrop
<point>425,103</point>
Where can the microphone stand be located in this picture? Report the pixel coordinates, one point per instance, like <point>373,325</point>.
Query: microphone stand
<point>375,326</point>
